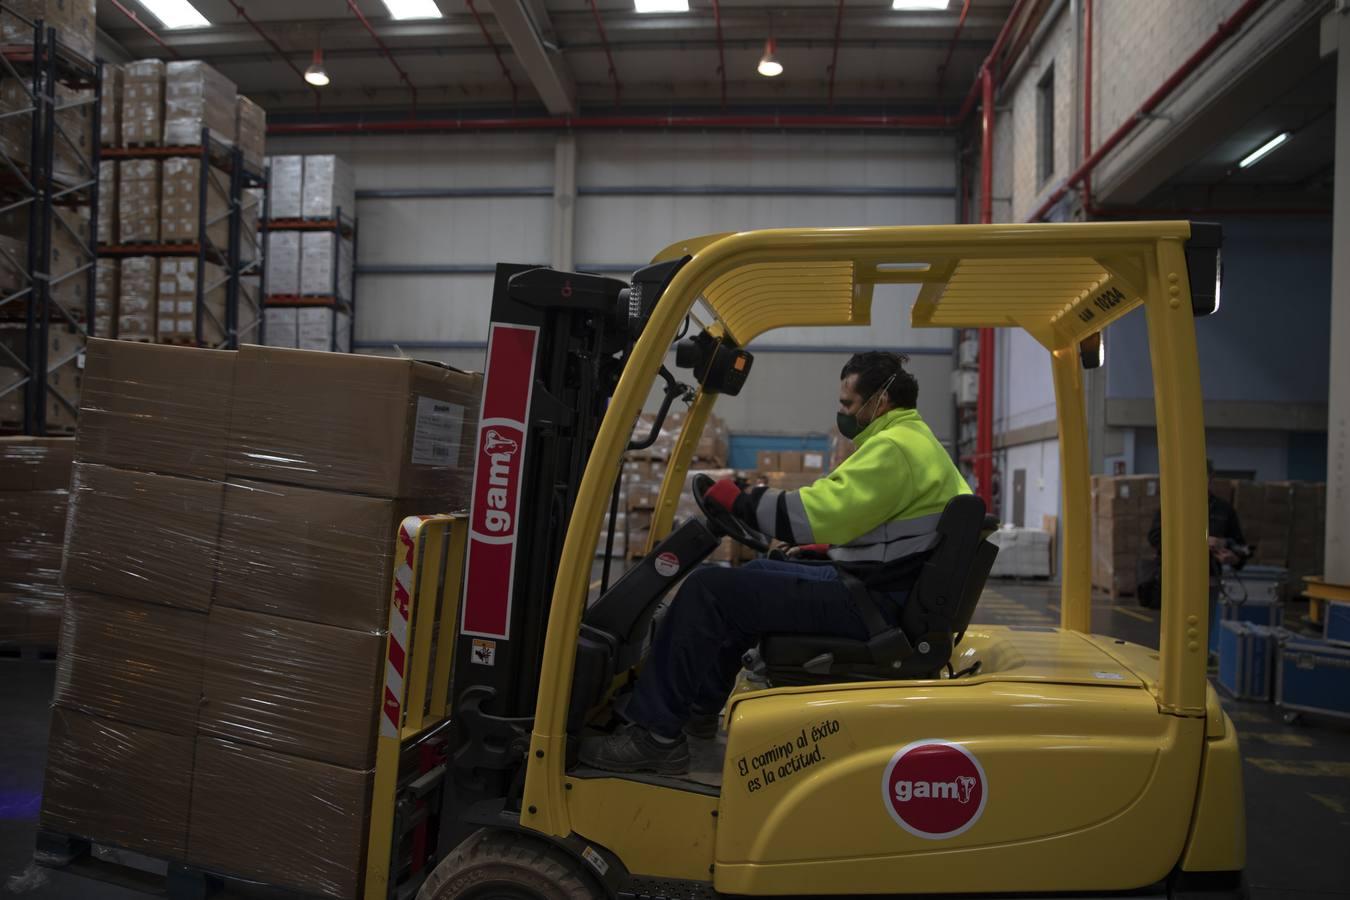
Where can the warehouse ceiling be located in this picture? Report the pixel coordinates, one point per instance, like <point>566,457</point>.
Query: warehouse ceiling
<point>555,55</point>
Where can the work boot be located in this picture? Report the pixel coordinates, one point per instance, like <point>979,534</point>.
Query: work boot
<point>635,749</point>
<point>703,725</point>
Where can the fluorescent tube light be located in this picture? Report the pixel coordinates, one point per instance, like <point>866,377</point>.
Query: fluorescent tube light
<point>661,6</point>
<point>176,13</point>
<point>412,9</point>
<point>1263,151</point>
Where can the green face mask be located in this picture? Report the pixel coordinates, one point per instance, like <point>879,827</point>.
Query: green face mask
<point>848,423</point>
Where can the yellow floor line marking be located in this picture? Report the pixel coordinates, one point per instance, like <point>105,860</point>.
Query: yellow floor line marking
<point>1315,767</point>
<point>1133,613</point>
<point>1277,739</point>
<point>1335,804</point>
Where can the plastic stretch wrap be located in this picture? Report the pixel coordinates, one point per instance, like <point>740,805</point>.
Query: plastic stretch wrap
<point>138,186</point>
<point>136,302</point>
<point>143,103</point>
<point>196,96</point>
<point>318,275</point>
<point>282,260</point>
<point>34,492</point>
<point>72,19</point>
<point>180,204</point>
<point>251,128</point>
<point>329,187</point>
<point>230,627</point>
<point>285,182</point>
<point>107,275</point>
<point>110,107</point>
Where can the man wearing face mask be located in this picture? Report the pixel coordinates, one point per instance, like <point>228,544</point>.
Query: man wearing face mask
<point>875,518</point>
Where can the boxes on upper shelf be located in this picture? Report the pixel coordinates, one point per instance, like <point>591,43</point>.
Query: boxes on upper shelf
<point>73,20</point>
<point>286,182</point>
<point>177,318</point>
<point>196,96</point>
<point>329,187</point>
<point>107,201</point>
<point>110,106</point>
<point>180,204</point>
<point>281,327</point>
<point>143,103</point>
<point>323,328</point>
<point>281,258</point>
<point>138,284</point>
<point>251,128</point>
<point>107,276</point>
<point>319,274</point>
<point>138,187</point>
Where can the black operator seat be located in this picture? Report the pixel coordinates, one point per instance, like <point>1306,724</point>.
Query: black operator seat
<point>932,623</point>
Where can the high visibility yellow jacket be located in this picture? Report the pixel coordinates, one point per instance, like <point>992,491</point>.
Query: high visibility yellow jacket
<point>880,505</point>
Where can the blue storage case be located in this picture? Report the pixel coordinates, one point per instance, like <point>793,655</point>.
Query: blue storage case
<point>1313,676</point>
<point>1246,657</point>
<point>1336,622</point>
<point>1257,607</point>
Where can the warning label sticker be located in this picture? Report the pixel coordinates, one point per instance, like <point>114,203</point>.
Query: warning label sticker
<point>436,434</point>
<point>484,652</point>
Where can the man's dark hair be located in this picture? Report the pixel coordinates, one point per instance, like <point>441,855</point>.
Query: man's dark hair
<point>874,368</point>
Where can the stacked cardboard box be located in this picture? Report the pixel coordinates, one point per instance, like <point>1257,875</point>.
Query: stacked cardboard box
<point>72,19</point>
<point>107,201</point>
<point>110,106</point>
<point>1123,507</point>
<point>329,188</point>
<point>138,187</point>
<point>177,314</point>
<point>281,258</point>
<point>1284,522</point>
<point>286,183</point>
<point>137,298</point>
<point>142,123</point>
<point>107,275</point>
<point>180,204</point>
<point>196,96</point>
<point>253,548</point>
<point>251,128</point>
<point>319,273</point>
<point>34,491</point>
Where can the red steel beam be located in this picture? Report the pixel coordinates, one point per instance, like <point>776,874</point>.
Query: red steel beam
<point>951,48</point>
<point>609,57</point>
<point>506,72</point>
<point>130,14</point>
<point>834,54</point>
<point>721,57</point>
<point>873,123</point>
<point>1226,29</point>
<point>402,75</point>
<point>973,95</point>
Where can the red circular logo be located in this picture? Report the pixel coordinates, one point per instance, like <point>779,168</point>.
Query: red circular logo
<point>934,789</point>
<point>667,564</point>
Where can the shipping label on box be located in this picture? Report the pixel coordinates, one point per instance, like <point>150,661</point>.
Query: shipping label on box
<point>438,432</point>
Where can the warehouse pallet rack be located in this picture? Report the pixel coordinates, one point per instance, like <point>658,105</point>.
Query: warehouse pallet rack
<point>223,173</point>
<point>344,227</point>
<point>30,316</point>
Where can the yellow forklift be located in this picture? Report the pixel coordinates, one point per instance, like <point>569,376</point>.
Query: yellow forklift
<point>942,757</point>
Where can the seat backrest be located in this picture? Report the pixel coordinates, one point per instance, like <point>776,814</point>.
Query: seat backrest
<point>949,584</point>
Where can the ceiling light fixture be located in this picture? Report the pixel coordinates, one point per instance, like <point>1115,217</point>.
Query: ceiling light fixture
<point>174,14</point>
<point>917,5</point>
<point>316,74</point>
<point>412,9</point>
<point>1264,150</point>
<point>661,6</point>
<point>769,66</point>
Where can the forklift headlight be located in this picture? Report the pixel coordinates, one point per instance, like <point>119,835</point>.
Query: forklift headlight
<point>1204,265</point>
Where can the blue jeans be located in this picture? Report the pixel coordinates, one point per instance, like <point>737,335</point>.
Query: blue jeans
<point>718,614</point>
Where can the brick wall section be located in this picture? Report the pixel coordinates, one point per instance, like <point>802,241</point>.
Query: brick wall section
<point>1056,52</point>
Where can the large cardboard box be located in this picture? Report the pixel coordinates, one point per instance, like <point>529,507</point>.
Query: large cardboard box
<point>251,129</point>
<point>29,622</point>
<point>110,107</point>
<point>790,461</point>
<point>320,556</point>
<point>180,204</point>
<point>143,103</point>
<point>72,19</point>
<point>196,96</point>
<point>295,687</point>
<point>118,784</point>
<point>138,184</point>
<point>132,662</point>
<point>287,186</point>
<point>329,188</point>
<point>32,534</point>
<point>176,319</point>
<point>157,408</point>
<point>278,819</point>
<point>364,424</point>
<point>142,536</point>
<point>35,463</point>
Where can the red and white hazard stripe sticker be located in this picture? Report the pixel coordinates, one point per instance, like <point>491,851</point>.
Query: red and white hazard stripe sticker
<point>396,657</point>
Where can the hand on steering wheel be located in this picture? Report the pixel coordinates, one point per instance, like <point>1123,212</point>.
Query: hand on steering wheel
<point>721,520</point>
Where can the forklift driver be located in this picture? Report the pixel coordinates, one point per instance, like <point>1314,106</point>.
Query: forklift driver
<point>877,514</point>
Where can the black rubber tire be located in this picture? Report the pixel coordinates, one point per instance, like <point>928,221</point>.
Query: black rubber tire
<point>505,865</point>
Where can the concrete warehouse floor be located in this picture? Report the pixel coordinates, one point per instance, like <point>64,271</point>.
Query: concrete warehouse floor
<point>1297,777</point>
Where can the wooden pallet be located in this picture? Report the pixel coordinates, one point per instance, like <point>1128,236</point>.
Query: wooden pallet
<point>87,859</point>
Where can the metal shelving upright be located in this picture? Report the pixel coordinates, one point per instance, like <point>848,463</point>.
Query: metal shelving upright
<point>222,172</point>
<point>32,186</point>
<point>343,227</point>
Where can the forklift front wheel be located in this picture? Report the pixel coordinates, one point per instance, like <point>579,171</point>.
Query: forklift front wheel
<point>495,864</point>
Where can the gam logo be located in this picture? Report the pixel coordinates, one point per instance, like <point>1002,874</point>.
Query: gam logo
<point>500,451</point>
<point>934,789</point>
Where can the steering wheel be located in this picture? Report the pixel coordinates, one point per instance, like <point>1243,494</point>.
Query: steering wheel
<point>722,522</point>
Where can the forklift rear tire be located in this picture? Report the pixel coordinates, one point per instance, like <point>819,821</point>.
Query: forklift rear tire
<point>503,865</point>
